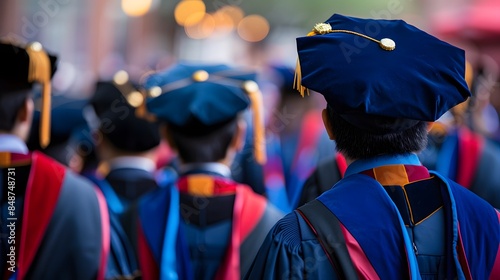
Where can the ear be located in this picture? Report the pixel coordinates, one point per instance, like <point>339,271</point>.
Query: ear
<point>165,133</point>
<point>26,112</point>
<point>239,137</point>
<point>327,124</point>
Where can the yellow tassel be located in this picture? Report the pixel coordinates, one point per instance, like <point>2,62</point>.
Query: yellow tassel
<point>259,137</point>
<point>297,80</point>
<point>40,71</point>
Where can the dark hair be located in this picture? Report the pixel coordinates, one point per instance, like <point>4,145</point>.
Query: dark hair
<point>11,101</point>
<point>206,147</point>
<point>356,143</point>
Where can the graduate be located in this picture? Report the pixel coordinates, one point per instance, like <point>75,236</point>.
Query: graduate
<point>54,224</point>
<point>389,217</point>
<point>206,226</point>
<point>126,147</point>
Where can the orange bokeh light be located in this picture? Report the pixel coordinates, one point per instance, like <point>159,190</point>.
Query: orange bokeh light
<point>201,30</point>
<point>136,8</point>
<point>189,12</point>
<point>253,28</point>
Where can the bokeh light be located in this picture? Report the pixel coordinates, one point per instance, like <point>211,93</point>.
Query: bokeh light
<point>201,30</point>
<point>253,28</point>
<point>136,8</point>
<point>234,12</point>
<point>189,12</point>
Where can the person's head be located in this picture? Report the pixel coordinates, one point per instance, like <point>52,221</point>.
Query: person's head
<point>383,81</point>
<point>200,106</point>
<point>120,131</point>
<point>20,68</point>
<point>357,143</point>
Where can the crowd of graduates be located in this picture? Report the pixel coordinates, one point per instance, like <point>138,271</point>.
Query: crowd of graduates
<point>183,174</point>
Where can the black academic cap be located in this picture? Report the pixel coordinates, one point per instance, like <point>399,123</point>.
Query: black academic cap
<point>20,67</point>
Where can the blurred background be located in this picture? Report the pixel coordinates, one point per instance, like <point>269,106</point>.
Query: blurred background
<point>95,38</point>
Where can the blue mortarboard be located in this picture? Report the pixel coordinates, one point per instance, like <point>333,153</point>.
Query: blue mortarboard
<point>68,123</point>
<point>381,75</point>
<point>198,98</point>
<point>283,77</point>
<point>20,67</point>
<point>117,118</point>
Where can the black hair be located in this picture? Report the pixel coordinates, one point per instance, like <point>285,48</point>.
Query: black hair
<point>203,147</point>
<point>356,143</point>
<point>12,98</point>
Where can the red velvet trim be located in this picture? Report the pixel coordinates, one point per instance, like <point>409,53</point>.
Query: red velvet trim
<point>106,234</point>
<point>247,212</point>
<point>363,266</point>
<point>462,257</point>
<point>341,164</point>
<point>495,272</point>
<point>149,267</point>
<point>42,193</point>
<point>470,146</point>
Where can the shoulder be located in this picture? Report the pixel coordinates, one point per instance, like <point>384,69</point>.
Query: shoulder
<point>291,231</point>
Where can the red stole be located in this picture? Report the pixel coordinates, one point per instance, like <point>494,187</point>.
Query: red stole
<point>39,204</point>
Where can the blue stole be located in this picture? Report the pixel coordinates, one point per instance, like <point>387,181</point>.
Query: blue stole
<point>368,213</point>
<point>121,249</point>
<point>166,240</point>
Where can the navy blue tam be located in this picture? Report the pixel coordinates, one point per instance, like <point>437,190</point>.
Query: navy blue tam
<point>378,72</point>
<point>197,99</point>
<point>198,93</point>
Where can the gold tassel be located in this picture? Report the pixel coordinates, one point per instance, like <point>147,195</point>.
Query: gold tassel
<point>259,137</point>
<point>40,71</point>
<point>297,80</point>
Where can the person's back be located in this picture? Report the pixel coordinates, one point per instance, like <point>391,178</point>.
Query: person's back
<point>207,226</point>
<point>54,223</point>
<point>126,146</point>
<point>389,217</point>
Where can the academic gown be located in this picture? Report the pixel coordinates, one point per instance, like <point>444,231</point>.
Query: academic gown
<point>61,229</point>
<point>472,161</point>
<point>197,228</point>
<point>122,187</point>
<point>431,228</point>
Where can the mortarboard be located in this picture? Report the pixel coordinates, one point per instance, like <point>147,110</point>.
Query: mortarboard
<point>381,75</point>
<point>283,77</point>
<point>200,98</point>
<point>68,130</point>
<point>22,66</point>
<point>117,118</point>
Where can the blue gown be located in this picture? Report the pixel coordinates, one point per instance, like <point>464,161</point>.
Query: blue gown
<point>375,219</point>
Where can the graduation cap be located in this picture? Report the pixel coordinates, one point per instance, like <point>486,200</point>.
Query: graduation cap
<point>380,75</point>
<point>200,98</point>
<point>20,68</point>
<point>68,131</point>
<point>283,77</point>
<point>117,118</point>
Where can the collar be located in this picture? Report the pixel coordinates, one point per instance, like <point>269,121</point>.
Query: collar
<point>361,165</point>
<point>134,162</point>
<point>13,144</point>
<point>208,167</point>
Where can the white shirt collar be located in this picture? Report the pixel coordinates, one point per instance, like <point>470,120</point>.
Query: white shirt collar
<point>13,144</point>
<point>212,167</point>
<point>132,162</point>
